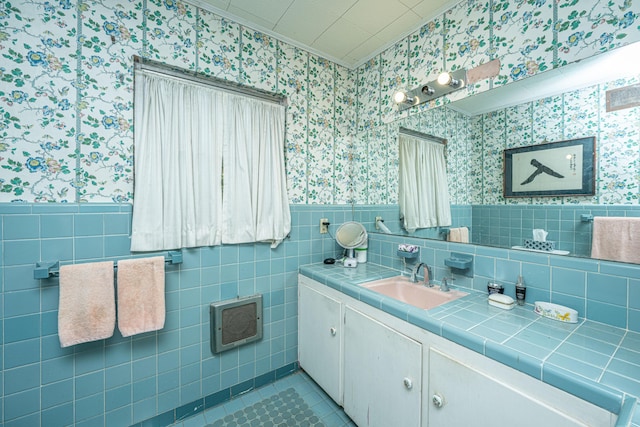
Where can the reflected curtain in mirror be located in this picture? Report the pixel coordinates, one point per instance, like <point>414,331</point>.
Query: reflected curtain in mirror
<point>423,194</point>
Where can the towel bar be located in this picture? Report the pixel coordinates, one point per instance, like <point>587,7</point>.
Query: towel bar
<point>586,218</point>
<point>47,269</point>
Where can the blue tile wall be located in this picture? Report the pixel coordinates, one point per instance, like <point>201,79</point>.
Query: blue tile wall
<point>508,225</point>
<point>123,381</point>
<point>602,291</point>
<point>461,216</point>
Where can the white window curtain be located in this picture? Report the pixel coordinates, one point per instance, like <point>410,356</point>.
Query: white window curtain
<point>183,130</point>
<point>423,193</point>
<point>255,205</point>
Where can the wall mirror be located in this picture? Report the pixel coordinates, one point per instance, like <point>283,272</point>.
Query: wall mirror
<point>562,104</point>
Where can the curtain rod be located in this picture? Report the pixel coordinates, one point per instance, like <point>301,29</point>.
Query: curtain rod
<point>422,135</point>
<point>193,76</point>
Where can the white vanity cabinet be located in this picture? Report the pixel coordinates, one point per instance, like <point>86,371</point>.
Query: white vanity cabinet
<point>320,339</point>
<point>463,395</point>
<point>381,387</point>
<point>387,372</point>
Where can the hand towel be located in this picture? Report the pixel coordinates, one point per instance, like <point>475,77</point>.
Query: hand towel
<point>87,307</point>
<point>616,239</point>
<point>459,234</point>
<point>141,306</point>
<point>464,234</point>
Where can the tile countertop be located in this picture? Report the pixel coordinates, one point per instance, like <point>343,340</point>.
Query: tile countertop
<point>596,362</point>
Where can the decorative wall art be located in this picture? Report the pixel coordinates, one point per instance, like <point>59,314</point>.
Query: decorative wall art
<point>563,168</point>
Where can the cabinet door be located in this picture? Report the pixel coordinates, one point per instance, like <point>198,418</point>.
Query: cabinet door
<point>471,398</point>
<point>319,340</point>
<point>382,374</point>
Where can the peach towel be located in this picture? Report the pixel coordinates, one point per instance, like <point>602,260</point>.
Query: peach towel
<point>616,239</point>
<point>140,295</point>
<point>459,234</point>
<point>87,306</point>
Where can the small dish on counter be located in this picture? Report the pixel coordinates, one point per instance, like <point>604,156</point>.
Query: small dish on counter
<point>556,312</point>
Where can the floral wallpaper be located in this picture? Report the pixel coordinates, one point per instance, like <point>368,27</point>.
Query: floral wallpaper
<point>570,115</point>
<point>66,97</point>
<point>528,37</point>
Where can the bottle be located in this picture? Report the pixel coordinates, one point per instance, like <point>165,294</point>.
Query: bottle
<point>521,291</point>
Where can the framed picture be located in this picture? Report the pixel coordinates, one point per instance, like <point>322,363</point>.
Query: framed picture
<point>564,168</point>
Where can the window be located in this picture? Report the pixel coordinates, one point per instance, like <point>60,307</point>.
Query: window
<point>186,133</point>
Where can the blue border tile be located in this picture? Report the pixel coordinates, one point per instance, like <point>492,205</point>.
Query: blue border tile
<point>598,394</point>
<point>517,360</point>
<point>464,338</point>
<point>218,397</point>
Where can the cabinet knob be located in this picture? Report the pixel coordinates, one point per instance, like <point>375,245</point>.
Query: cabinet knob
<point>333,331</point>
<point>408,384</point>
<point>438,400</point>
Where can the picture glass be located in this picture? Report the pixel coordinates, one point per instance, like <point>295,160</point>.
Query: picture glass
<point>558,168</point>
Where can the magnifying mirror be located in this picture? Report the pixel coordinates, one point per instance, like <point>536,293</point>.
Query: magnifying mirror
<point>351,235</point>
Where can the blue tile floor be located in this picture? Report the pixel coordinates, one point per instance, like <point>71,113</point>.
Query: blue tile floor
<point>292,401</point>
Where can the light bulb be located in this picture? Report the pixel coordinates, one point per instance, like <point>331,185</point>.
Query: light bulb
<point>399,97</point>
<point>427,90</point>
<point>444,78</point>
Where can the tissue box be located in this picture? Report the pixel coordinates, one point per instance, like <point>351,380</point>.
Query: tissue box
<point>539,246</point>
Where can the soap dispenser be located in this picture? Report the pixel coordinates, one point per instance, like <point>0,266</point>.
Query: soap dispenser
<point>521,291</point>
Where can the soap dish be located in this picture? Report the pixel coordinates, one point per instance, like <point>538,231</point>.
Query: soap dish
<point>556,312</point>
<point>409,255</point>
<point>457,262</point>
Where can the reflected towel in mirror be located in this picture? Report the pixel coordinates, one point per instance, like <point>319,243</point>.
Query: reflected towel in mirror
<point>458,234</point>
<point>616,239</point>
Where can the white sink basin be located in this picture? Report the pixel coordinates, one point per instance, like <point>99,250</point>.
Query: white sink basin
<point>416,294</point>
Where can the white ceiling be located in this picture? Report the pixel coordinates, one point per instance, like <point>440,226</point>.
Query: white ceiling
<point>348,32</point>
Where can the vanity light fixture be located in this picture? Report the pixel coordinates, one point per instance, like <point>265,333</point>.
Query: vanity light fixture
<point>446,83</point>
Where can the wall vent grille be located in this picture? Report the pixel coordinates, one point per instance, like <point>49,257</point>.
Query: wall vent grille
<point>235,322</point>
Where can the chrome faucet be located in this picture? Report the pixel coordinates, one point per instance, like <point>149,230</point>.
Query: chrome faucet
<point>444,287</point>
<point>416,269</point>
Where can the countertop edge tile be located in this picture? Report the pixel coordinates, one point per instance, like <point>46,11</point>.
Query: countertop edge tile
<point>626,412</point>
<point>514,359</point>
<point>460,336</point>
<point>426,322</point>
<point>598,394</point>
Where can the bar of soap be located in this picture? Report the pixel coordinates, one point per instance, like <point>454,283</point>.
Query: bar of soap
<point>502,301</point>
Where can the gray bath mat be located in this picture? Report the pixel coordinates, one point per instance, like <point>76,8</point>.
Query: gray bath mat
<point>286,408</point>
